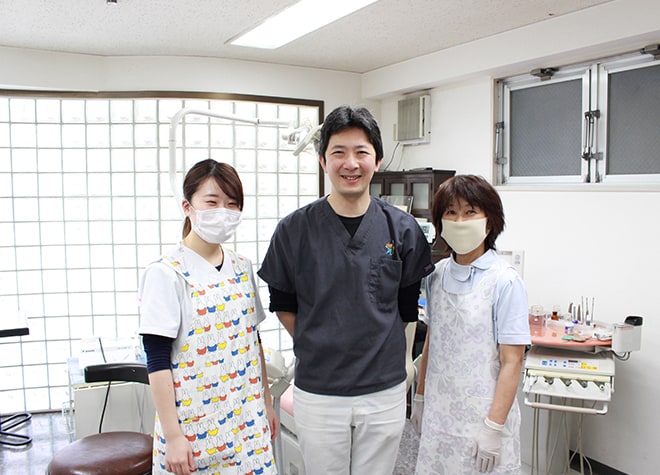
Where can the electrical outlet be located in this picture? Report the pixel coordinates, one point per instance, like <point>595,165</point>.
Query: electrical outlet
<point>515,258</point>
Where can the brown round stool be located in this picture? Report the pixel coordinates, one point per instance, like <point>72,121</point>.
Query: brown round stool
<point>108,453</point>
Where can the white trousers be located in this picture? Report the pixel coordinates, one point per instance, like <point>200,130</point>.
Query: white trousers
<point>350,435</point>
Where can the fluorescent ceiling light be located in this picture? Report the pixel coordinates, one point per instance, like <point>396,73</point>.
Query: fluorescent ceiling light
<point>296,21</point>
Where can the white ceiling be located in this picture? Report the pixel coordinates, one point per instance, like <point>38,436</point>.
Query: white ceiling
<point>384,33</point>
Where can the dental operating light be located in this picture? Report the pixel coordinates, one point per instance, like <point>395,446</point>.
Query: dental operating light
<point>296,21</point>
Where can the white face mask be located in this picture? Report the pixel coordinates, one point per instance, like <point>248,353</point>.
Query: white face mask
<point>464,236</point>
<point>216,225</point>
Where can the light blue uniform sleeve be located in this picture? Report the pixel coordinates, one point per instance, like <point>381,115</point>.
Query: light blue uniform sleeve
<point>511,310</point>
<point>429,283</point>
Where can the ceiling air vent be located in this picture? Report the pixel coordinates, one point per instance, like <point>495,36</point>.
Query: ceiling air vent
<point>414,120</point>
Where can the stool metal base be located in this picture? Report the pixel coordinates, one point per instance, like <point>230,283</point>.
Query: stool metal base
<point>11,438</point>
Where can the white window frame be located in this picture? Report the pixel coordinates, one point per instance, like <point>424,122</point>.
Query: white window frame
<point>592,171</point>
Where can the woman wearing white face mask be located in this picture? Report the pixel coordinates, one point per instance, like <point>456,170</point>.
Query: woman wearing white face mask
<point>477,319</point>
<point>199,308</point>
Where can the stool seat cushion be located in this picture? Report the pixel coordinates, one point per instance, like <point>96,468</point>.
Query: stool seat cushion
<point>108,453</point>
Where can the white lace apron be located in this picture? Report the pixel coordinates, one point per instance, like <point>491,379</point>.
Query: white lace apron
<point>460,382</point>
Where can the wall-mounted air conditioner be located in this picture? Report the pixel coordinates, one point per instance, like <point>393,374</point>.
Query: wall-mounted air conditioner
<point>414,120</point>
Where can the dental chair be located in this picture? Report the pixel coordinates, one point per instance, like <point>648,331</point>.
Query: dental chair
<point>108,453</point>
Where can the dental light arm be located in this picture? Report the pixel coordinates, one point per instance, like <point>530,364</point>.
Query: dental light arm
<point>312,135</point>
<point>174,122</point>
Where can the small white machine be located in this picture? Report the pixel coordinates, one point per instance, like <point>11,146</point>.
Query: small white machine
<point>573,375</point>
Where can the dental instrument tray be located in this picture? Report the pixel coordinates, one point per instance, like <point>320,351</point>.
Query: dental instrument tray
<point>575,377</point>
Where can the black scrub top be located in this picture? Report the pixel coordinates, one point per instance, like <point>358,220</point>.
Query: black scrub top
<point>348,337</point>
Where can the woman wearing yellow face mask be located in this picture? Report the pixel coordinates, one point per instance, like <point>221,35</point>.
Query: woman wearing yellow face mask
<point>478,328</point>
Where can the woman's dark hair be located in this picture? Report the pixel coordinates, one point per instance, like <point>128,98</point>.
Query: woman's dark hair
<point>476,191</point>
<point>225,176</point>
<point>345,117</point>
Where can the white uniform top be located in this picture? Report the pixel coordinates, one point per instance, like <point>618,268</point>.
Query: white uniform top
<point>170,311</point>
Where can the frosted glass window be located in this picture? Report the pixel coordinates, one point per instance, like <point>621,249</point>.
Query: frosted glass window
<point>285,203</point>
<point>73,111</point>
<point>267,161</point>
<point>222,136</point>
<point>52,233</point>
<point>23,135</point>
<point>121,135</point>
<point>98,160</point>
<point>101,256</point>
<point>288,184</point>
<point>74,184</point>
<point>267,184</point>
<point>26,234</point>
<point>146,135</point>
<point>27,258</point>
<point>123,160</point>
<point>268,137</point>
<point>97,111</point>
<point>121,110</point>
<point>49,135</point>
<point>634,114</point>
<point>54,281</point>
<point>268,207</point>
<point>74,161</point>
<point>246,160</point>
<point>22,110</point>
<point>86,203</point>
<point>26,209</point>
<point>123,184</point>
<point>246,137</point>
<point>4,137</point>
<point>288,163</point>
<point>73,136</point>
<point>99,184</point>
<point>48,110</point>
<point>197,135</point>
<point>98,136</point>
<point>49,161</point>
<point>247,231</point>
<point>78,281</point>
<point>75,209</point>
<point>100,208</point>
<point>546,130</point>
<point>77,257</point>
<point>52,257</point>
<point>146,110</point>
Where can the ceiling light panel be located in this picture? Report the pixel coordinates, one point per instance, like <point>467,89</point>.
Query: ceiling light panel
<point>296,21</point>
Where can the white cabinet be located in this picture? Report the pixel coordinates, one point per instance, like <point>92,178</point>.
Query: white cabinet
<point>129,407</point>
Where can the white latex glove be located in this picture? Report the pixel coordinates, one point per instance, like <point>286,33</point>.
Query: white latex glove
<point>487,446</point>
<point>417,412</point>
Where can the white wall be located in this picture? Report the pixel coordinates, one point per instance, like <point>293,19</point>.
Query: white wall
<point>594,241</point>
<point>29,69</point>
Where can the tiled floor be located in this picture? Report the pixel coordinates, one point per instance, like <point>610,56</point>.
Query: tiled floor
<point>48,436</point>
